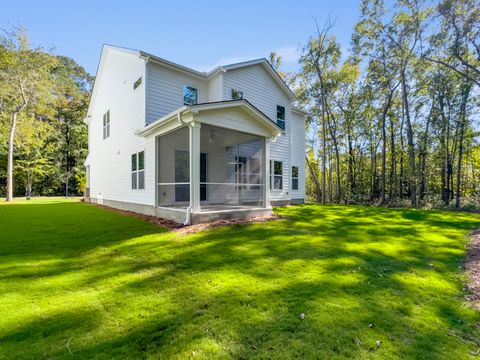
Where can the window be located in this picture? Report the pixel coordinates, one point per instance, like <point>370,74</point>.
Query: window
<point>138,171</point>
<point>276,176</point>
<point>281,116</point>
<point>137,83</point>
<point>189,95</point>
<point>106,125</point>
<point>237,94</point>
<point>294,177</point>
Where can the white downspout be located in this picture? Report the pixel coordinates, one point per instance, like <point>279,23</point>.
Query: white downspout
<point>188,219</point>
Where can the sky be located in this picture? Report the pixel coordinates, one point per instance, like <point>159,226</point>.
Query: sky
<point>197,34</point>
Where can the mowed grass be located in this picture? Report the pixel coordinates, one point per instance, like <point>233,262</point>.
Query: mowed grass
<point>81,282</point>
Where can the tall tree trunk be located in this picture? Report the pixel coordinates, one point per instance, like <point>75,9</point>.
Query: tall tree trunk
<point>411,146</point>
<point>11,139</point>
<point>423,155</point>
<point>393,161</point>
<point>402,152</point>
<point>315,179</point>
<point>463,120</point>
<point>351,177</point>
<point>384,145</point>
<point>443,150</point>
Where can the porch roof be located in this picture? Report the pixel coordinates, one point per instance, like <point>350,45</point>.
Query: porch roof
<point>176,115</point>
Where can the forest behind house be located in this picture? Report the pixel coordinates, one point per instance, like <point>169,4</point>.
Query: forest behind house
<point>393,118</point>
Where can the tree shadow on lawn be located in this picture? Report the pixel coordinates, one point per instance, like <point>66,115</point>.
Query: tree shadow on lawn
<point>238,291</point>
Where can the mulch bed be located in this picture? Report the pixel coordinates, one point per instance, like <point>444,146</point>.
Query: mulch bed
<point>190,229</point>
<point>472,265</point>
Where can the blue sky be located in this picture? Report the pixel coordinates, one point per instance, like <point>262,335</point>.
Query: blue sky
<point>199,34</point>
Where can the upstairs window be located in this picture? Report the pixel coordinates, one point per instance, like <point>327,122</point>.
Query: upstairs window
<point>294,177</point>
<point>189,95</point>
<point>281,116</point>
<point>106,125</point>
<point>137,83</point>
<point>237,94</point>
<point>276,175</point>
<point>138,171</point>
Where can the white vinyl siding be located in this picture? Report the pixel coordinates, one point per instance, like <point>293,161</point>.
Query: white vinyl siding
<point>165,90</point>
<point>260,89</point>
<point>215,90</point>
<point>110,161</point>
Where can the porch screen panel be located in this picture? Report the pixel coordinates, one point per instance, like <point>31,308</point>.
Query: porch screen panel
<point>234,168</point>
<point>173,157</point>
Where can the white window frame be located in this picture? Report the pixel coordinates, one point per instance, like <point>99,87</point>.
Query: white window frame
<point>106,125</point>
<point>273,175</point>
<point>295,177</point>
<point>135,172</point>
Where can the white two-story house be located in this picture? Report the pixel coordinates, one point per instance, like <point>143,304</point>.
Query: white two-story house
<point>192,146</point>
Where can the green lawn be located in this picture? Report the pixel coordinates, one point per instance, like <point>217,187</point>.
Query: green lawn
<point>81,282</point>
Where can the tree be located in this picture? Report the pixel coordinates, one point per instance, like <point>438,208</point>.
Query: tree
<point>26,82</point>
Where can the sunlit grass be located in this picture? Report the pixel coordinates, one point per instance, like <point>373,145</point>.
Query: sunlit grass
<point>82,282</point>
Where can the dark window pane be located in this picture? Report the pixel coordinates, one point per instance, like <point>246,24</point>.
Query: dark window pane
<point>281,124</point>
<point>137,83</point>
<point>277,182</point>
<point>108,130</point>
<point>277,168</point>
<point>280,112</point>
<point>134,162</point>
<point>189,95</point>
<point>134,180</point>
<point>295,171</point>
<point>237,94</point>
<point>141,179</point>
<point>294,184</point>
<point>141,163</point>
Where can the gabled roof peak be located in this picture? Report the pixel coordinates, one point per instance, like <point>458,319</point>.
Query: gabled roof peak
<point>205,75</point>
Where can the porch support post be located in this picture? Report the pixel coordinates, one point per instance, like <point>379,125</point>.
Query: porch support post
<point>194,147</point>
<point>266,173</point>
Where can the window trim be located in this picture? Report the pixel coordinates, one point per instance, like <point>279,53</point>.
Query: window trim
<point>136,172</point>
<point>106,125</point>
<point>273,175</point>
<point>185,87</point>
<point>281,122</point>
<point>295,177</point>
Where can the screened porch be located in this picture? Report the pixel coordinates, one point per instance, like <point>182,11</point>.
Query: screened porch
<point>226,171</point>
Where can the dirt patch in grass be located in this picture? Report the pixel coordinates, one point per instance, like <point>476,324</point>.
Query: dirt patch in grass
<point>190,229</point>
<point>472,266</point>
<point>185,230</point>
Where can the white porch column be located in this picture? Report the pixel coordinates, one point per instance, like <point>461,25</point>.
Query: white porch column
<point>266,173</point>
<point>194,147</point>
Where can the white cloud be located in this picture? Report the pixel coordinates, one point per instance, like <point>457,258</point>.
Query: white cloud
<point>289,55</point>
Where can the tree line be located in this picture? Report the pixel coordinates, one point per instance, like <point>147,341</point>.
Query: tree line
<point>394,119</point>
<point>43,100</point>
